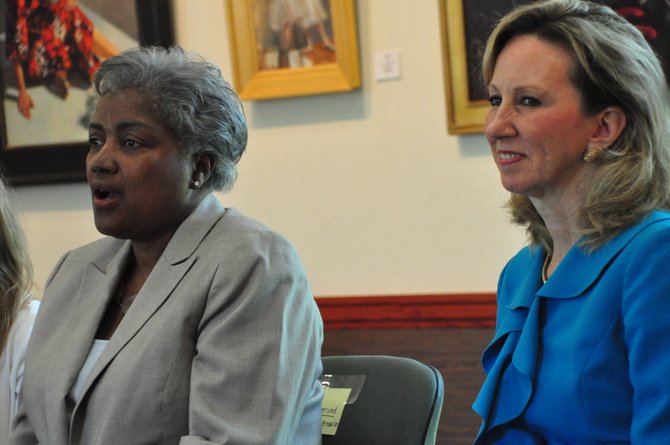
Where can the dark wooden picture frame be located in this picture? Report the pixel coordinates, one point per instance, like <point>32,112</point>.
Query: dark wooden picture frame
<point>41,164</point>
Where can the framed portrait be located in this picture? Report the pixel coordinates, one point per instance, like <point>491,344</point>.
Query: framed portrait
<point>466,24</point>
<point>49,51</point>
<point>283,48</point>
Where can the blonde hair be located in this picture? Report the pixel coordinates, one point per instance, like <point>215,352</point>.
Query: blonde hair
<point>614,66</point>
<point>16,272</point>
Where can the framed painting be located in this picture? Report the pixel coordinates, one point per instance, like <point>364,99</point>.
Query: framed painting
<point>283,48</point>
<point>466,24</point>
<point>49,51</point>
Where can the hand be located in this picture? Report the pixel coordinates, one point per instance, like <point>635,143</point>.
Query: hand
<point>70,4</point>
<point>25,103</point>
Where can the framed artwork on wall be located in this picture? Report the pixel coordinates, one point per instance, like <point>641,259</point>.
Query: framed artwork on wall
<point>466,24</point>
<point>283,48</point>
<point>49,51</point>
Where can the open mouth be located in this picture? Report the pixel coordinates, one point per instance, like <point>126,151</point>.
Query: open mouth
<point>104,195</point>
<point>508,156</point>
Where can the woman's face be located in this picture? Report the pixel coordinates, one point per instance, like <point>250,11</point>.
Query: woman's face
<point>139,179</point>
<point>535,126</point>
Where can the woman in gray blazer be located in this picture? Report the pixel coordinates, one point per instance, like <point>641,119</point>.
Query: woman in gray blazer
<point>189,323</point>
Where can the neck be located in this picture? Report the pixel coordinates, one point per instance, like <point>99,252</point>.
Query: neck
<point>146,254</point>
<point>133,279</point>
<point>560,217</point>
<point>561,222</point>
<point>147,251</point>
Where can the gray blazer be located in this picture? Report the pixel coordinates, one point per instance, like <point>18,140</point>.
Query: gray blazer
<point>221,346</point>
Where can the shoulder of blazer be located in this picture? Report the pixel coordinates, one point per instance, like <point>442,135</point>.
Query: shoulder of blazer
<point>579,270</point>
<point>235,223</point>
<point>235,231</point>
<point>98,252</point>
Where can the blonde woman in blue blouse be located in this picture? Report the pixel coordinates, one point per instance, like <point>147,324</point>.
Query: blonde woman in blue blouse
<point>579,127</point>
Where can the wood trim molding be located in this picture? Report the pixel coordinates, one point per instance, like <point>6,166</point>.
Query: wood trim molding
<point>408,311</point>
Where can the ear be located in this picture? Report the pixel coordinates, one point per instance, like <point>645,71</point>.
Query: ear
<point>610,124</point>
<point>203,163</point>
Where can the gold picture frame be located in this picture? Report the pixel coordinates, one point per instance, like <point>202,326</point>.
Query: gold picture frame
<point>464,114</point>
<point>253,81</point>
<point>466,25</point>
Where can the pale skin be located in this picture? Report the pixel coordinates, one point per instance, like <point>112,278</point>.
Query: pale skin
<point>538,134</point>
<point>142,186</point>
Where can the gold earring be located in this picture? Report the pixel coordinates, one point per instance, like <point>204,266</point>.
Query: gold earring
<point>590,155</point>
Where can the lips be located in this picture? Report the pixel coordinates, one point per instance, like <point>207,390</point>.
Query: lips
<point>104,197</point>
<point>508,157</point>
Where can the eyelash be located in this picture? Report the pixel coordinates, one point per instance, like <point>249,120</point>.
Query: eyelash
<point>94,141</point>
<point>131,143</point>
<point>529,101</point>
<point>526,101</point>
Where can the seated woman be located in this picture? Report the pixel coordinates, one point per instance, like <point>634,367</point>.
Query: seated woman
<point>580,137</point>
<point>190,323</point>
<point>17,310</point>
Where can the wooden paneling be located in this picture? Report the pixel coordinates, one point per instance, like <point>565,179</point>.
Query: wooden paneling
<point>448,331</point>
<point>408,311</point>
<point>455,352</point>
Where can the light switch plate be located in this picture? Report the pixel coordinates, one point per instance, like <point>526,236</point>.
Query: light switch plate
<point>387,65</point>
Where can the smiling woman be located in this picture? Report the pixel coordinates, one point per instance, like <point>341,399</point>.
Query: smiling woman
<point>526,124</point>
<point>166,306</point>
<point>580,139</point>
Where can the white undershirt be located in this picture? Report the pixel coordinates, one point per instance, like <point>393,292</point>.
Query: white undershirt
<point>11,366</point>
<point>93,355</point>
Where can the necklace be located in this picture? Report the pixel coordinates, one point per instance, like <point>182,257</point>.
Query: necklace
<point>545,266</point>
<point>124,305</point>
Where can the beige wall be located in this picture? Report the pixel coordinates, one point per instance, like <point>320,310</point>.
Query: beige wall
<point>368,185</point>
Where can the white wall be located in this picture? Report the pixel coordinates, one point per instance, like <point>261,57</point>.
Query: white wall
<point>368,185</point>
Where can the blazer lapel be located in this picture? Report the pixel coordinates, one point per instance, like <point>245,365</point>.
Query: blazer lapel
<point>579,270</point>
<point>511,358</point>
<point>175,262</point>
<point>91,298</point>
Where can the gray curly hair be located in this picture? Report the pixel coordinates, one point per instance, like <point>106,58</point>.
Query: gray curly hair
<point>188,95</point>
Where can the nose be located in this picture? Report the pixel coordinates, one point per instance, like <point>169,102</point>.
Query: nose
<point>102,159</point>
<point>499,123</point>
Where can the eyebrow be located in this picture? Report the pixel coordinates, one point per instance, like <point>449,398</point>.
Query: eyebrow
<point>123,125</point>
<point>533,88</point>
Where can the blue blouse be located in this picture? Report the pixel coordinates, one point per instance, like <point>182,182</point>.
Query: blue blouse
<point>582,359</point>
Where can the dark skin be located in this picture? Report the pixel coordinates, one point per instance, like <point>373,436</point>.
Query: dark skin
<point>142,186</point>
<point>129,286</point>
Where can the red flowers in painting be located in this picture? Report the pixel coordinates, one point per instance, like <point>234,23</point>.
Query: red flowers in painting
<point>47,37</point>
<point>632,14</point>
